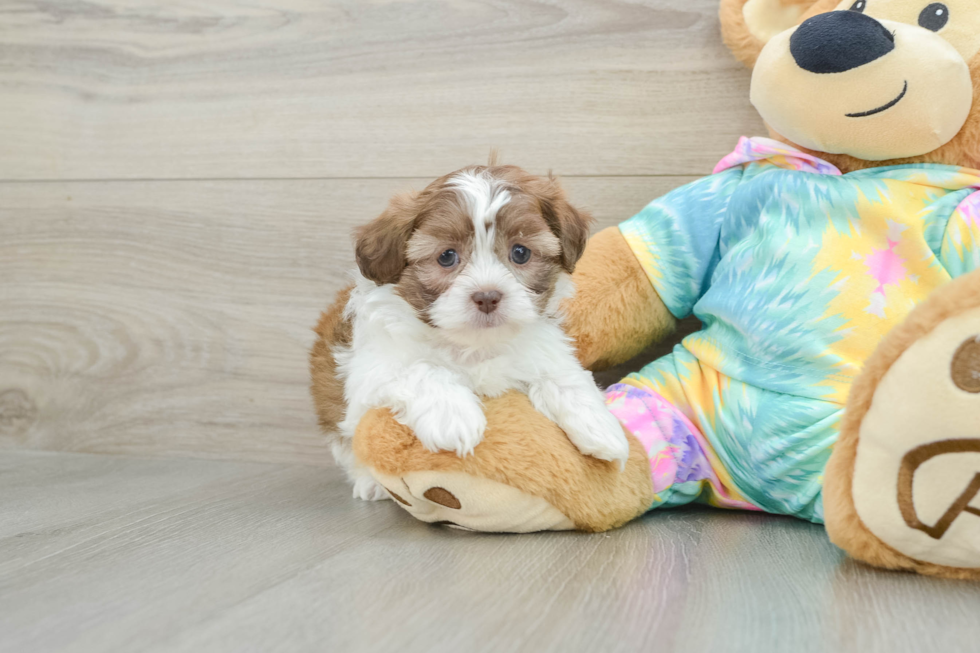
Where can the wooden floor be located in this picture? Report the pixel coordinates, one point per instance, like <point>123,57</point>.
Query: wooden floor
<point>101,553</point>
<point>178,181</point>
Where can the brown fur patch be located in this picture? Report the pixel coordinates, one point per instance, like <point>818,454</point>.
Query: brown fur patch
<point>569,224</point>
<point>380,245</point>
<point>520,222</point>
<point>327,390</point>
<point>441,225</point>
<point>844,526</point>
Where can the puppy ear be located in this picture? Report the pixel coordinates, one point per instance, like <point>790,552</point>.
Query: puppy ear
<point>568,223</point>
<point>380,245</point>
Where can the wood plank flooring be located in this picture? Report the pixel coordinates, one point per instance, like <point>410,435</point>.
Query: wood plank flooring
<point>110,553</point>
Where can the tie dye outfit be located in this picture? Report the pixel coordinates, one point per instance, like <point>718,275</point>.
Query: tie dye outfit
<point>796,272</point>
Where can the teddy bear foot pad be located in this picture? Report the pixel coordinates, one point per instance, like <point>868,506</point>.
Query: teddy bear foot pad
<point>472,503</point>
<point>916,479</point>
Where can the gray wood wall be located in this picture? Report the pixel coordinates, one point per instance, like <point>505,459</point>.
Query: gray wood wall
<point>178,181</point>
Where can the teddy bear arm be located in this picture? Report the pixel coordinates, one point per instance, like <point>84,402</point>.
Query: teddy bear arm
<point>616,313</point>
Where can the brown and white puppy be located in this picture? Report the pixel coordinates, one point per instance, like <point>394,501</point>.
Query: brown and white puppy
<point>458,298</point>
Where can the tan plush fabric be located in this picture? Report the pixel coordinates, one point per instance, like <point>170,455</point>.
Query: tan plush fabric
<point>746,25</point>
<point>844,524</point>
<point>615,313</point>
<point>524,450</point>
<point>963,34</point>
<point>963,150</point>
<point>471,502</point>
<point>900,439</point>
<point>767,18</point>
<point>817,112</point>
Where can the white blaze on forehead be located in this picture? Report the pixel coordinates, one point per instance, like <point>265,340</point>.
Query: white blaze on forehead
<point>483,196</point>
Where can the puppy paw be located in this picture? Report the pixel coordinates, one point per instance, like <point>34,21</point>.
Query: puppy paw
<point>453,422</point>
<point>580,411</point>
<point>596,432</point>
<point>368,489</point>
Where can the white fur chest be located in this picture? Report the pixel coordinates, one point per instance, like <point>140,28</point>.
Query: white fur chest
<point>387,335</point>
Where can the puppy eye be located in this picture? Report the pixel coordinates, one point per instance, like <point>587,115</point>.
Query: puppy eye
<point>449,258</point>
<point>934,17</point>
<point>520,254</point>
<point>860,6</point>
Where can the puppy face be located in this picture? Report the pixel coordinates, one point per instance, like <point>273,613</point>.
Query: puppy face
<point>478,253</point>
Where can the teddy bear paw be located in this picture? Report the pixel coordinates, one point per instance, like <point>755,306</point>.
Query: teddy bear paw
<point>468,502</point>
<point>916,482</point>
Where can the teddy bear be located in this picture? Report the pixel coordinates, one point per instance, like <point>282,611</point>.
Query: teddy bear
<point>835,268</point>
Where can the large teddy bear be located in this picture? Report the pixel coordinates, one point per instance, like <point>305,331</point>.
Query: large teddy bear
<point>836,271</point>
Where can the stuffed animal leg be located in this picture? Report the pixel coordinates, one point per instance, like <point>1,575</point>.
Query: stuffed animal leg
<point>902,488</point>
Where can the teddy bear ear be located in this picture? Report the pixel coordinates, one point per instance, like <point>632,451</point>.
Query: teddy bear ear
<point>747,25</point>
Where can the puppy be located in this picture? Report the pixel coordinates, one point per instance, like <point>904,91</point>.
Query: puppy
<point>458,297</point>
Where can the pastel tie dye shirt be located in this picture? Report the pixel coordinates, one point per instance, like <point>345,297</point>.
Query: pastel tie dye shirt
<point>796,272</point>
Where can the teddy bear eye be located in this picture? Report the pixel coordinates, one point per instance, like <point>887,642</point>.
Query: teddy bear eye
<point>934,17</point>
<point>859,6</point>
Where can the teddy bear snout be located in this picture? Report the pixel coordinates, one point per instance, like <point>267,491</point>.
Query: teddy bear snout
<point>839,41</point>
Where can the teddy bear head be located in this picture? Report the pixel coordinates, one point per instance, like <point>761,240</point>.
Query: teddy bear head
<point>864,82</point>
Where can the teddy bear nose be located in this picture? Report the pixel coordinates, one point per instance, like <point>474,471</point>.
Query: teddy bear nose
<point>487,300</point>
<point>839,41</point>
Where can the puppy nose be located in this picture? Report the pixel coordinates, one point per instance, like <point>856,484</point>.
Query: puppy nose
<point>487,300</point>
<point>839,41</point>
